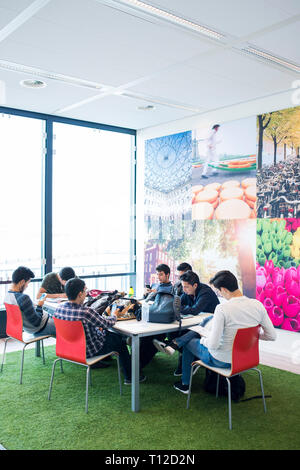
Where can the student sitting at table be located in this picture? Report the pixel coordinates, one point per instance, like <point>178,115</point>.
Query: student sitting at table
<point>53,283</point>
<point>99,340</point>
<point>197,298</point>
<point>181,269</point>
<point>35,320</point>
<point>214,345</point>
<point>147,346</point>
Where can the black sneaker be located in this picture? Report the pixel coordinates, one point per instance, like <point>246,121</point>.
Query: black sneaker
<point>181,387</point>
<point>204,176</point>
<point>178,371</point>
<point>143,378</point>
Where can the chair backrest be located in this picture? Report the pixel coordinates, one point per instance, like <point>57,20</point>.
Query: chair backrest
<point>70,340</point>
<point>245,352</point>
<point>14,321</point>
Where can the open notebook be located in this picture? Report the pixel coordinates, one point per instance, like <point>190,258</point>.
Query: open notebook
<point>202,330</point>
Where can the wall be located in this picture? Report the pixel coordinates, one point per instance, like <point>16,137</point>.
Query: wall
<point>242,110</point>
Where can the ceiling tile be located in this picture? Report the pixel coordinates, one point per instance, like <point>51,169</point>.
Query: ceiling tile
<point>6,16</point>
<point>16,5</point>
<point>235,17</point>
<point>239,68</point>
<point>291,7</point>
<point>97,43</point>
<point>284,42</point>
<point>194,87</point>
<point>116,110</point>
<point>45,100</point>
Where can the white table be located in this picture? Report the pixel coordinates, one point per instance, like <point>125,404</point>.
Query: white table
<point>138,329</point>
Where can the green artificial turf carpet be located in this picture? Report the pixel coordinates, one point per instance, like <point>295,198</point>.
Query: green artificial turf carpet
<point>30,422</point>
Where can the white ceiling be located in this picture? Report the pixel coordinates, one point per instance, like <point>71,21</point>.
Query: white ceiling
<point>112,49</point>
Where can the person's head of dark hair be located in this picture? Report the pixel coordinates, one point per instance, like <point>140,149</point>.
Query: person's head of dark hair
<point>190,277</point>
<point>225,279</point>
<point>163,268</point>
<point>73,287</point>
<point>216,126</point>
<point>67,273</point>
<point>22,273</point>
<point>184,267</point>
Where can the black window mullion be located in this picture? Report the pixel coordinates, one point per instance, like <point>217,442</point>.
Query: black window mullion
<point>48,195</point>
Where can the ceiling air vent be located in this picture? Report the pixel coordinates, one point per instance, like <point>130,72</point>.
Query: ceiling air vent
<point>33,84</point>
<point>146,108</point>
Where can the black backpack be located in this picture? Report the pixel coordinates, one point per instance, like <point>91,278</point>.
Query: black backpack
<point>166,306</point>
<point>238,385</point>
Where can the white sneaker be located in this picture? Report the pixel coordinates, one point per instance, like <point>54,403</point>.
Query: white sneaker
<point>160,346</point>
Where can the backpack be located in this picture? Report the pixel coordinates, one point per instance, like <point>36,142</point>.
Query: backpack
<point>238,385</point>
<point>166,307</point>
<point>103,300</point>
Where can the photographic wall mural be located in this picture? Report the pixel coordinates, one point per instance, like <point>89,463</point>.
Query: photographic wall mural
<point>209,201</point>
<point>224,171</point>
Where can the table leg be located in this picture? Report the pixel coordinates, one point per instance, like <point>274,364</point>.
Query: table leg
<point>135,373</point>
<point>38,349</point>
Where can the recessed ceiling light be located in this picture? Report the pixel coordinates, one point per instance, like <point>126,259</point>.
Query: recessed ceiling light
<point>170,17</point>
<point>33,83</point>
<point>150,107</point>
<point>271,58</point>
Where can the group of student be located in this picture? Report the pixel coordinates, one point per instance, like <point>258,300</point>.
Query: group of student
<point>214,347</point>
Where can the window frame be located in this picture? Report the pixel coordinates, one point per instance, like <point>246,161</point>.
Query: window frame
<point>47,196</point>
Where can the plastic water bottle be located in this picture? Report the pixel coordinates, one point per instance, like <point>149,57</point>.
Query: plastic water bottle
<point>131,292</point>
<point>145,312</point>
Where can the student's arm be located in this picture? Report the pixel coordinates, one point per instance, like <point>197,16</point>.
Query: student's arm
<point>28,311</point>
<point>202,304</point>
<point>98,320</point>
<point>267,332</point>
<point>50,296</point>
<point>213,340</point>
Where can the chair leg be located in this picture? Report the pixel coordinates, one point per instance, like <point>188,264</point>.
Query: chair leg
<point>3,356</point>
<point>22,364</point>
<point>52,377</point>
<point>119,373</point>
<point>43,353</point>
<point>87,388</point>
<point>262,389</point>
<point>229,403</point>
<point>190,387</point>
<point>217,387</point>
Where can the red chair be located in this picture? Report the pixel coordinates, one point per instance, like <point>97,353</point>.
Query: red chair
<point>245,356</point>
<point>71,347</point>
<point>14,330</point>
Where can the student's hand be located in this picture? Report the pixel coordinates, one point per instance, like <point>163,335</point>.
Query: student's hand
<point>41,302</point>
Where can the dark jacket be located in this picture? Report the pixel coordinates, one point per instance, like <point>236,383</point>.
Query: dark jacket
<point>205,300</point>
<point>178,289</point>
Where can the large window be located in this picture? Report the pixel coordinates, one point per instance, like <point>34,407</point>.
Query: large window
<point>92,200</point>
<point>21,194</point>
<point>67,199</point>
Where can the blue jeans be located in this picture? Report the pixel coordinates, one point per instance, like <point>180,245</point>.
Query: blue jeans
<point>49,328</point>
<point>192,349</point>
<point>186,337</point>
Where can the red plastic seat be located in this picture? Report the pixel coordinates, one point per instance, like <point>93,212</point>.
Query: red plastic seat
<point>245,356</point>
<point>71,347</point>
<point>14,330</point>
